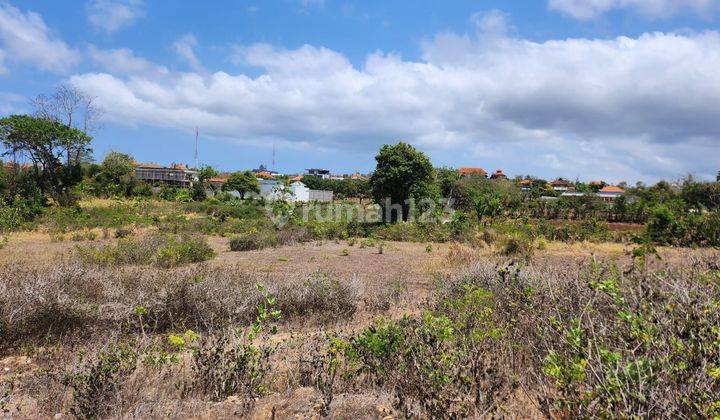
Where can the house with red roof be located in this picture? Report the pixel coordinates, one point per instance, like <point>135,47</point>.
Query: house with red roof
<point>468,172</point>
<point>562,185</point>
<point>499,174</point>
<point>610,192</point>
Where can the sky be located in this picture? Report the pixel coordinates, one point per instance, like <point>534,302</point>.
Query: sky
<point>619,90</point>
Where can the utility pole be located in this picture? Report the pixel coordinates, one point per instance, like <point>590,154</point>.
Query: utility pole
<point>197,162</point>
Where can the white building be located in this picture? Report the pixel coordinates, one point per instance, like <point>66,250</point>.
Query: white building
<point>300,192</point>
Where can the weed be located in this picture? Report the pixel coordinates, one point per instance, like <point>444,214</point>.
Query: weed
<point>232,364</point>
<point>99,380</point>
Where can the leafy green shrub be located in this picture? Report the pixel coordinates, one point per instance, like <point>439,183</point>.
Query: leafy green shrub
<point>162,250</point>
<point>99,380</point>
<point>10,218</point>
<point>232,363</point>
<point>254,241</point>
<point>185,251</point>
<point>663,227</point>
<point>433,364</point>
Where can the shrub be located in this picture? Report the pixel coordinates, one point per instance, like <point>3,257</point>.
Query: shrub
<point>517,246</point>
<point>185,251</point>
<point>165,251</point>
<point>10,218</point>
<point>317,295</point>
<point>254,241</point>
<point>123,233</point>
<point>99,380</point>
<point>662,227</point>
<point>231,363</point>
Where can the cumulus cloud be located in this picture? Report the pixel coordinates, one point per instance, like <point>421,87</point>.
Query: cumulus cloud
<point>111,15</point>
<point>124,61</point>
<point>623,108</point>
<point>591,9</point>
<point>185,49</point>
<point>24,37</point>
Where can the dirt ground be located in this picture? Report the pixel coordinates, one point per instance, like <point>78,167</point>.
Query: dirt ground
<point>415,265</point>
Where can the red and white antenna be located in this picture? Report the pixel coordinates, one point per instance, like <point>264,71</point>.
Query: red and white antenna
<point>197,162</point>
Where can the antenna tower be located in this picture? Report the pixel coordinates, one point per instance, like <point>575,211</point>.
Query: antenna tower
<point>197,162</point>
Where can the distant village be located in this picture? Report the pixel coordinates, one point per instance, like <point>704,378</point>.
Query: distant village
<point>290,187</point>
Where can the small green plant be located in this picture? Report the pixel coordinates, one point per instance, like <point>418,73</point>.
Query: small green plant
<point>428,248</point>
<point>367,243</point>
<point>99,380</point>
<point>232,363</point>
<point>345,252</point>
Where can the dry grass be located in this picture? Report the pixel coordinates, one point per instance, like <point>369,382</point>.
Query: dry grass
<point>54,307</point>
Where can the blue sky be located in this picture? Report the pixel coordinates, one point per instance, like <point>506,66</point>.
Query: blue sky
<point>613,89</point>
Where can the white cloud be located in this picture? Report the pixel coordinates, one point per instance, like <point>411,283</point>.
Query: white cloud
<point>124,61</point>
<point>624,108</point>
<point>111,15</point>
<point>185,49</point>
<point>492,22</point>
<point>591,9</point>
<point>310,3</point>
<point>24,37</point>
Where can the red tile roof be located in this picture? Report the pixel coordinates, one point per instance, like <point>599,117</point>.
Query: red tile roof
<point>561,183</point>
<point>152,165</point>
<point>473,171</point>
<point>612,189</point>
<point>498,174</point>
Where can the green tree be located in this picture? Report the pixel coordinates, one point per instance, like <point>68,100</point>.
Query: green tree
<point>205,173</point>
<point>45,142</point>
<point>402,173</point>
<point>447,179</point>
<point>116,176</point>
<point>198,192</point>
<point>243,183</point>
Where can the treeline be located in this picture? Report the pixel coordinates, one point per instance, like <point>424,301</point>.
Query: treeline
<point>57,170</point>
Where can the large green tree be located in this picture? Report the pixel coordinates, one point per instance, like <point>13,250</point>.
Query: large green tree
<point>46,143</point>
<point>243,183</point>
<point>403,173</point>
<point>116,176</point>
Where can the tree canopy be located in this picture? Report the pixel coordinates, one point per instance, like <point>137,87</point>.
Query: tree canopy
<point>242,182</point>
<point>44,142</point>
<point>402,173</point>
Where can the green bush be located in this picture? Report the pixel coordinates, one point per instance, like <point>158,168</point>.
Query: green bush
<point>233,363</point>
<point>97,382</point>
<point>254,241</point>
<point>184,251</point>
<point>517,246</point>
<point>165,251</point>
